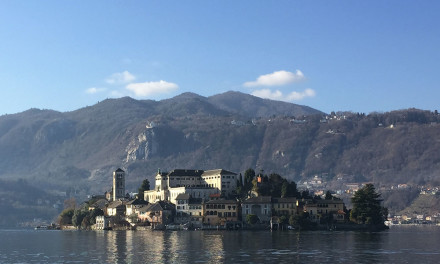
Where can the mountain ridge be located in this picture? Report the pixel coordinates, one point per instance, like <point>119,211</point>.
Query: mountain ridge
<point>232,130</point>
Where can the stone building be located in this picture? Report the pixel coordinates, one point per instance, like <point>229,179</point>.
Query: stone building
<point>118,184</point>
<point>196,183</point>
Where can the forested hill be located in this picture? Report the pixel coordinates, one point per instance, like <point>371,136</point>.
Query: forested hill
<point>78,150</point>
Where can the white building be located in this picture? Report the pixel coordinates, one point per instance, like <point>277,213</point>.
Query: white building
<point>197,183</point>
<point>102,222</point>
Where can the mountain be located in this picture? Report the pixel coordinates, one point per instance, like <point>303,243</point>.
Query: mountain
<point>253,107</point>
<point>75,152</point>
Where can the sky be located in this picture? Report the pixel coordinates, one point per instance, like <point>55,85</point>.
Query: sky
<point>360,56</point>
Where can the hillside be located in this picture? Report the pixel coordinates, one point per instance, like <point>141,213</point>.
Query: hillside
<point>76,151</point>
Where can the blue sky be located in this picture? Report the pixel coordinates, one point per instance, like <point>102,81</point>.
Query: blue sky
<point>360,56</point>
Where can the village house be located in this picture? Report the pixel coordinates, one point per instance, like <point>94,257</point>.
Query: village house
<point>102,223</point>
<point>260,206</point>
<point>116,208</point>
<point>221,212</point>
<point>189,210</point>
<point>284,206</point>
<point>319,208</point>
<point>132,206</point>
<point>159,213</point>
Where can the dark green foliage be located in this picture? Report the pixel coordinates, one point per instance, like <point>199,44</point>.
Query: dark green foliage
<point>275,186</point>
<point>367,207</point>
<point>144,187</point>
<point>81,217</point>
<point>301,221</point>
<point>78,217</point>
<point>251,219</point>
<point>65,217</point>
<point>249,175</point>
<point>328,195</point>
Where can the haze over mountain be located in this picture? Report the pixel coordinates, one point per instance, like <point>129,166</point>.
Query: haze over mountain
<point>235,131</point>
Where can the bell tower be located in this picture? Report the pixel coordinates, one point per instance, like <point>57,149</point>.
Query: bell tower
<point>118,184</point>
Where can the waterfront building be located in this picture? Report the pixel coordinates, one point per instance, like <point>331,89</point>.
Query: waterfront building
<point>189,210</point>
<point>133,205</point>
<point>159,213</point>
<point>102,222</point>
<point>319,208</point>
<point>221,212</point>
<point>260,206</point>
<point>284,206</point>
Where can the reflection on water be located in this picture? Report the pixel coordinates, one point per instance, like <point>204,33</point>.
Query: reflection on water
<point>398,245</point>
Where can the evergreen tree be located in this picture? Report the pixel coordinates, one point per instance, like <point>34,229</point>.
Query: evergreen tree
<point>328,195</point>
<point>144,187</point>
<point>367,208</point>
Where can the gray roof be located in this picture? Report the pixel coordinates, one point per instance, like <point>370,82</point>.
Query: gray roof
<point>217,172</point>
<point>136,202</point>
<point>222,201</point>
<point>158,206</point>
<point>115,204</point>
<point>101,203</point>
<point>257,200</point>
<point>183,196</point>
<point>182,172</point>
<point>284,200</point>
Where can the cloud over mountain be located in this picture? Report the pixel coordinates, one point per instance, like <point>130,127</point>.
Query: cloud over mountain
<point>277,78</point>
<point>151,88</point>
<point>278,95</point>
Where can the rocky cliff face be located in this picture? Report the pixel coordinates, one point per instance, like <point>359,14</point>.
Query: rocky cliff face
<point>143,147</point>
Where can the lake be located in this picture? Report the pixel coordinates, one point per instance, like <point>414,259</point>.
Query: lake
<point>400,244</point>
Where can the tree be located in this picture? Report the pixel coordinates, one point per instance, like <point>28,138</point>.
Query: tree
<point>78,217</point>
<point>249,175</point>
<point>251,219</point>
<point>144,187</point>
<point>65,217</point>
<point>301,221</point>
<point>328,195</point>
<point>367,208</point>
<point>94,213</point>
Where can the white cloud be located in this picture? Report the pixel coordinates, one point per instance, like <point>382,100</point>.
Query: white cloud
<point>150,88</point>
<point>277,78</point>
<point>94,90</point>
<point>279,96</point>
<point>120,78</point>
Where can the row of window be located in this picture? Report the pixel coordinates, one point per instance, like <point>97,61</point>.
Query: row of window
<point>287,206</point>
<point>220,214</point>
<point>191,207</point>
<point>220,206</point>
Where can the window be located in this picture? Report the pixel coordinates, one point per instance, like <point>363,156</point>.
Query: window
<point>219,214</point>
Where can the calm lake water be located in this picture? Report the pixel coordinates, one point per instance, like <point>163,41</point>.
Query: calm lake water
<point>410,244</point>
